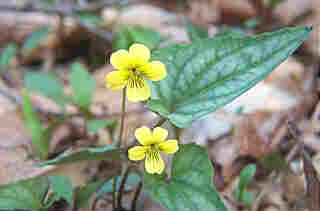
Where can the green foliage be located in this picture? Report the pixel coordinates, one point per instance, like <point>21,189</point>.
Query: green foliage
<point>89,18</point>
<point>195,33</point>
<point>232,31</point>
<point>83,85</point>
<point>132,180</point>
<point>126,36</point>
<point>8,53</point>
<point>47,85</point>
<point>207,74</point>
<point>252,23</point>
<point>33,124</point>
<point>274,3</point>
<point>82,196</point>
<point>24,194</point>
<point>35,38</point>
<point>98,153</point>
<point>190,185</point>
<point>246,175</point>
<point>95,125</point>
<point>62,186</point>
<point>52,198</point>
<point>274,161</point>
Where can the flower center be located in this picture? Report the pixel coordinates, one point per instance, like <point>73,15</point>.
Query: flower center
<point>135,80</point>
<point>153,152</point>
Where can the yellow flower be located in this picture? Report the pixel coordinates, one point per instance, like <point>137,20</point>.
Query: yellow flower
<point>152,144</point>
<point>132,67</point>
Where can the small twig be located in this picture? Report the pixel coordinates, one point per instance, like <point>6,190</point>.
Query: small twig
<point>136,197</point>
<point>122,185</point>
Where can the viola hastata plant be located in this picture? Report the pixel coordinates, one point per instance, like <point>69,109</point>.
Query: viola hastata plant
<point>180,83</point>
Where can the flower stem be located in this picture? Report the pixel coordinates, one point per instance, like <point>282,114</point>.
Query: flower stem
<point>123,114</point>
<point>121,189</point>
<point>115,178</point>
<point>136,197</point>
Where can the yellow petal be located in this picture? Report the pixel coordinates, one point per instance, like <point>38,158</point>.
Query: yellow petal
<point>117,79</point>
<point>169,147</point>
<point>160,134</point>
<point>154,71</point>
<point>121,60</point>
<point>154,162</point>
<point>137,152</point>
<point>138,89</point>
<point>144,135</point>
<point>140,54</point>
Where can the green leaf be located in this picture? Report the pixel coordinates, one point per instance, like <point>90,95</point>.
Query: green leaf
<point>246,175</point>
<point>62,186</point>
<point>98,153</point>
<point>89,18</point>
<point>8,53</point>
<point>230,31</point>
<point>126,36</point>
<point>83,196</point>
<point>47,85</point>
<point>132,180</point>
<point>195,33</point>
<point>274,3</point>
<point>252,23</point>
<point>95,125</point>
<point>53,197</point>
<point>190,186</point>
<point>35,38</point>
<point>274,160</point>
<point>33,125</point>
<point>207,74</point>
<point>24,194</point>
<point>83,85</point>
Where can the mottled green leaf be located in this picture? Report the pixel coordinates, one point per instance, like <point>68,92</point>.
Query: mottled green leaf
<point>207,74</point>
<point>83,85</point>
<point>8,53</point>
<point>195,33</point>
<point>62,186</point>
<point>24,194</point>
<point>190,186</point>
<point>33,124</point>
<point>98,153</point>
<point>35,38</point>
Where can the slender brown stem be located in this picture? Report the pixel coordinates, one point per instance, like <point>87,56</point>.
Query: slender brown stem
<point>136,197</point>
<point>121,189</point>
<point>114,193</point>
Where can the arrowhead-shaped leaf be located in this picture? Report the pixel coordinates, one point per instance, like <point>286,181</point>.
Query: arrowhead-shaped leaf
<point>207,74</point>
<point>190,186</point>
